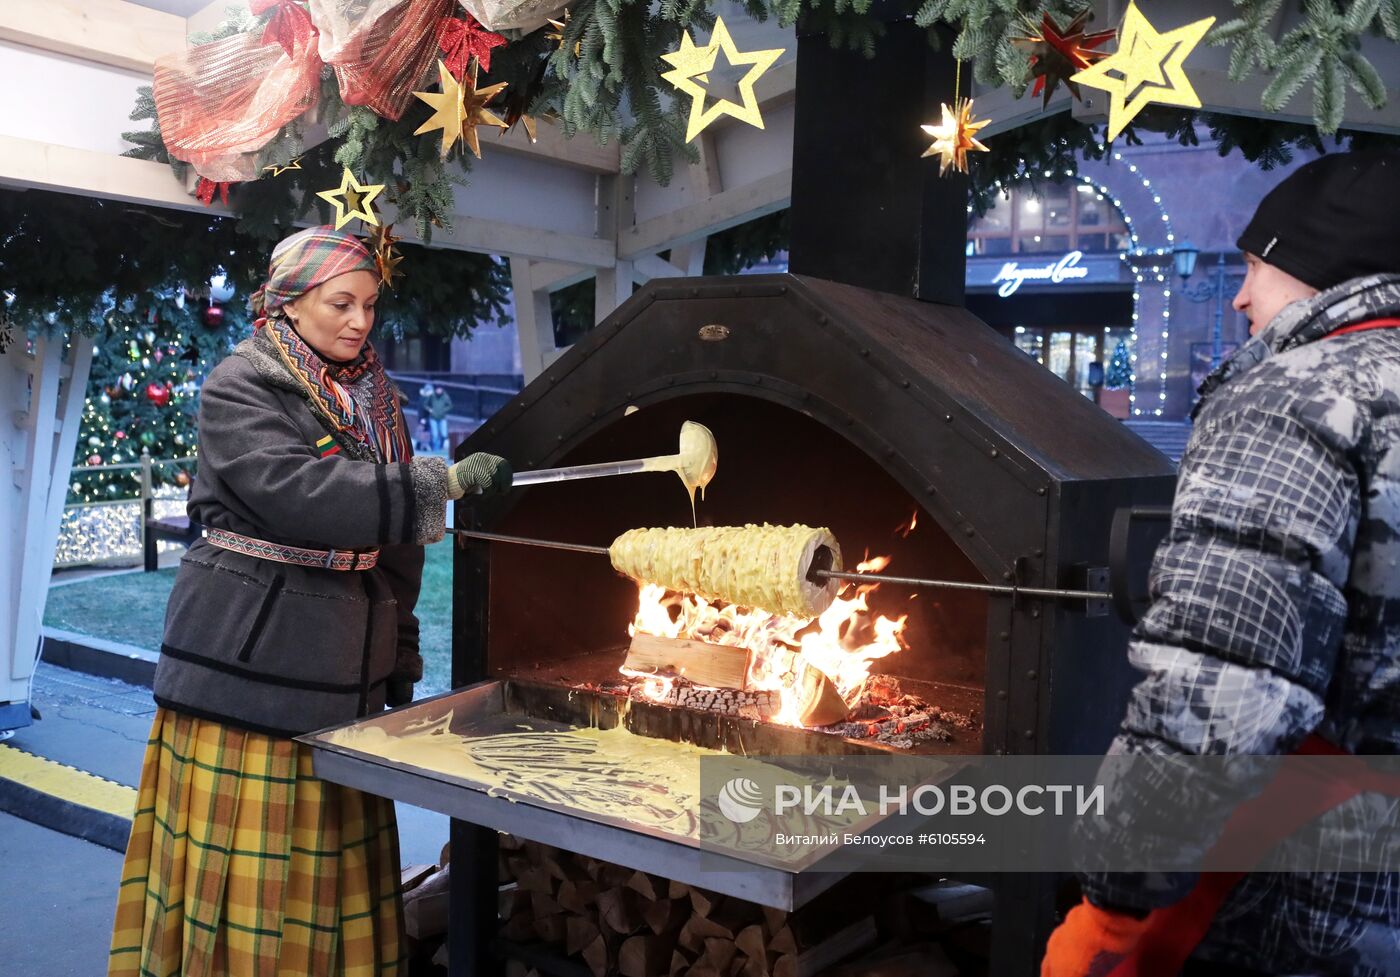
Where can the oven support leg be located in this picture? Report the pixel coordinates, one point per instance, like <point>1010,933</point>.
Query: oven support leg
<point>1022,919</point>
<point>472,935</point>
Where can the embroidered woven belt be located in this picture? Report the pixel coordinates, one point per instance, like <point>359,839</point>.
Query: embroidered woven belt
<point>297,555</point>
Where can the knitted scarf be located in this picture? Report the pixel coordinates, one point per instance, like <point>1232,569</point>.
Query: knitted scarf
<point>354,400</point>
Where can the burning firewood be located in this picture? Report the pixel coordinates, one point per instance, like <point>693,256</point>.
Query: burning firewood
<point>713,665</point>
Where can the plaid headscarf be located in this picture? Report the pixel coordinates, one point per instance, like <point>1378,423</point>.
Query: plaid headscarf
<point>305,260</point>
<point>355,401</point>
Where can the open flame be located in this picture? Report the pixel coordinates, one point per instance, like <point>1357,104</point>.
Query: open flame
<point>841,644</point>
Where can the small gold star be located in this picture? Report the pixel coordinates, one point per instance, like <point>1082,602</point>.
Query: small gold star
<point>955,137</point>
<point>458,109</point>
<point>557,35</point>
<point>381,243</point>
<point>352,199</point>
<point>278,170</point>
<point>1151,65</point>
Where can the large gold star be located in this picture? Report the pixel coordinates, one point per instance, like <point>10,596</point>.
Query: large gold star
<point>691,65</point>
<point>352,199</point>
<point>458,109</point>
<point>955,137</point>
<point>1151,65</point>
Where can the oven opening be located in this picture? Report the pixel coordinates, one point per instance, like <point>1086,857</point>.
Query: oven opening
<point>908,666</point>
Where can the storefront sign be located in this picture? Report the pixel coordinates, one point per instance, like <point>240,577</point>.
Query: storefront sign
<point>1066,269</point>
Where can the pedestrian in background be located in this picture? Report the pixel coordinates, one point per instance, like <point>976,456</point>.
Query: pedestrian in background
<point>439,405</point>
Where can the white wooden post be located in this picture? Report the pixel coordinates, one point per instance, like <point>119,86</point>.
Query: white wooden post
<point>534,324</point>
<point>41,397</point>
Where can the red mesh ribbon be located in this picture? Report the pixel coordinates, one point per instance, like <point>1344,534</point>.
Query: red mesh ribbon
<point>290,25</point>
<point>385,54</point>
<point>220,103</point>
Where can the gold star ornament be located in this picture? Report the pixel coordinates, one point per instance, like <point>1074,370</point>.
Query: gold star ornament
<point>691,68</point>
<point>955,137</point>
<point>278,169</point>
<point>1147,67</point>
<point>458,109</point>
<point>352,199</point>
<point>380,242</point>
<point>557,35</point>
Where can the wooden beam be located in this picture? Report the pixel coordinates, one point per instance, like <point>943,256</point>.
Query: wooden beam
<point>515,240</point>
<point>554,275</point>
<point>694,221</point>
<point>534,323</point>
<point>112,32</point>
<point>581,152</point>
<point>649,266</point>
<point>30,164</point>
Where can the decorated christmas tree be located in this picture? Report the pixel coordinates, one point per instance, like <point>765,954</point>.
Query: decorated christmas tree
<point>143,393</point>
<point>1120,368</point>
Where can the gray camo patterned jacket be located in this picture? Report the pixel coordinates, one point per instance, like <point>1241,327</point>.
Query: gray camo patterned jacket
<point>1276,613</point>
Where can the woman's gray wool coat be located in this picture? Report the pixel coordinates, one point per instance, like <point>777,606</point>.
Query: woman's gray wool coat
<point>275,647</point>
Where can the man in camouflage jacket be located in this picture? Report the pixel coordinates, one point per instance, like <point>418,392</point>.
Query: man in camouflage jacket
<point>1276,596</point>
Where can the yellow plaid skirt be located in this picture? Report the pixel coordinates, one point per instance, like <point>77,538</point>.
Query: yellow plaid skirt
<point>242,863</point>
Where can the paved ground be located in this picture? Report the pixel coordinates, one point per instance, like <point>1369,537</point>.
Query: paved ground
<point>57,892</point>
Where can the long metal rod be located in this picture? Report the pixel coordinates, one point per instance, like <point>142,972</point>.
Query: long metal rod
<point>523,541</point>
<point>871,578</point>
<point>987,588</point>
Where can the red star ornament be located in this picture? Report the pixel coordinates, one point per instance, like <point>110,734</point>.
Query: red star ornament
<point>462,40</point>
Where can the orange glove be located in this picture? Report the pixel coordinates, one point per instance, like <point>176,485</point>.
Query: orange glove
<point>1091,942</point>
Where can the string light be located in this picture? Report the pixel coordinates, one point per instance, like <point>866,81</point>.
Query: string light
<point>1135,257</point>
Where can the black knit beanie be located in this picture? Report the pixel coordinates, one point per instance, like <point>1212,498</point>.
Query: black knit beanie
<point>1336,218</point>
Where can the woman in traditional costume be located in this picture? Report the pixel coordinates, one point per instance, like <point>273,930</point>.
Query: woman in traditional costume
<point>293,613</point>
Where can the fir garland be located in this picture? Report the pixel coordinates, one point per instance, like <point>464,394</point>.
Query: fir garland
<point>69,262</point>
<point>604,80</point>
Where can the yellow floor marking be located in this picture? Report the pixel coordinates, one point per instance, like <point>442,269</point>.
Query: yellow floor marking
<point>66,783</point>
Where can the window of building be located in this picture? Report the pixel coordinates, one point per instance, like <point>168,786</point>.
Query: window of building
<point>1070,351</point>
<point>1064,217</point>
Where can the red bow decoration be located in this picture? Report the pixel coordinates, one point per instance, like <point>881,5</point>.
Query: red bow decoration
<point>290,25</point>
<point>461,40</point>
<point>205,190</point>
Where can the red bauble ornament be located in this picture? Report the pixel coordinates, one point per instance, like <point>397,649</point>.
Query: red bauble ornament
<point>158,394</point>
<point>214,316</point>
<point>94,459</point>
<point>120,435</point>
<point>182,479</point>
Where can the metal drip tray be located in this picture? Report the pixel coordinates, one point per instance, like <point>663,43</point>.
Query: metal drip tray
<point>476,754</point>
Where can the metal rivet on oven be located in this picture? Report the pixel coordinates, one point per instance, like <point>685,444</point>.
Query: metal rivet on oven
<point>969,531</point>
<point>1029,734</point>
<point>627,395</point>
<point>559,437</point>
<point>694,292</point>
<point>1006,575</point>
<point>758,380</point>
<point>864,352</point>
<point>782,289</point>
<point>714,374</point>
<point>1001,694</point>
<point>889,452</point>
<point>822,320</point>
<point>1035,612</point>
<point>1004,635</point>
<point>1038,552</point>
<point>738,290</point>
<point>1040,491</point>
<point>904,384</point>
<point>996,453</point>
<point>948,418</point>
<point>593,415</point>
<point>930,489</point>
<point>1032,675</point>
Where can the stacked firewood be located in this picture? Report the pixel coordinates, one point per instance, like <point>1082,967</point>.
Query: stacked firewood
<point>618,921</point>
